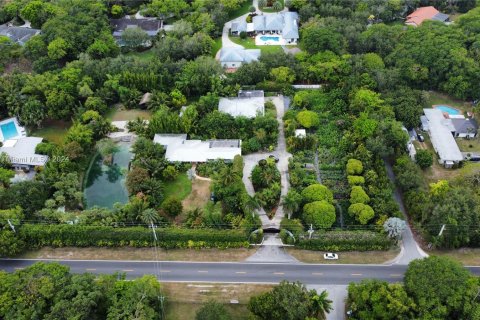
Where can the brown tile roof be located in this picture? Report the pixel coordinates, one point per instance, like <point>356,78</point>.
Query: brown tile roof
<point>418,16</point>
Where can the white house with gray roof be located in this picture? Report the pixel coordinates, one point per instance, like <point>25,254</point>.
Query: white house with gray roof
<point>283,23</point>
<point>234,57</point>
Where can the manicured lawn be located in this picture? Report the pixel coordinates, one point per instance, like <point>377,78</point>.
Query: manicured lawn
<point>348,257</point>
<point>471,145</point>
<point>143,56</point>
<point>240,11</point>
<point>118,113</point>
<point>53,131</point>
<point>270,9</point>
<point>249,43</point>
<point>180,188</point>
<point>216,46</point>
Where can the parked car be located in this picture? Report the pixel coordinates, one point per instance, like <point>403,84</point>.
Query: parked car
<point>420,137</point>
<point>330,256</point>
<point>273,157</point>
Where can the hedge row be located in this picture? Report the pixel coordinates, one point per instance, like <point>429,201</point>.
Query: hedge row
<point>99,236</point>
<point>346,241</point>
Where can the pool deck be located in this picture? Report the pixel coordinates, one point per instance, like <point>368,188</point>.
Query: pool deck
<point>21,133</point>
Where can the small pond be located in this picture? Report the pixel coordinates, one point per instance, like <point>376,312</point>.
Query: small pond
<point>105,185</point>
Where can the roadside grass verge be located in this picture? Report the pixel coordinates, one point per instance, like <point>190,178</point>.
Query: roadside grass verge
<point>139,254</point>
<point>466,256</point>
<point>345,257</point>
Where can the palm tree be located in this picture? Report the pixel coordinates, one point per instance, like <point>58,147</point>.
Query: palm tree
<point>250,204</point>
<point>277,6</point>
<point>149,216</point>
<point>262,3</point>
<point>321,305</point>
<point>291,202</point>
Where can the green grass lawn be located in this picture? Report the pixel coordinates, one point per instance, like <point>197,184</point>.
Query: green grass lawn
<point>249,43</point>
<point>118,113</point>
<point>216,46</point>
<point>143,56</point>
<point>270,9</point>
<point>241,11</point>
<point>180,188</point>
<point>53,131</point>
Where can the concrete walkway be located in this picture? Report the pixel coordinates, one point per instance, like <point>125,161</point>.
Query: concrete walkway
<point>409,249</point>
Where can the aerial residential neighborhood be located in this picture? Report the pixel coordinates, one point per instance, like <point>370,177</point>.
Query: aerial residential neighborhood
<point>239,159</point>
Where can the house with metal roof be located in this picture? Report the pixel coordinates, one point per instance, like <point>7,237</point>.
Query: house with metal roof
<point>21,153</point>
<point>234,57</point>
<point>18,35</point>
<point>440,130</point>
<point>249,103</point>
<point>425,13</point>
<point>179,149</point>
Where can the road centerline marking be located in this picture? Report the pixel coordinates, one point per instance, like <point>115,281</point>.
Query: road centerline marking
<point>165,271</point>
<point>317,273</point>
<point>356,274</point>
<point>128,270</point>
<point>279,273</point>
<point>240,272</point>
<point>395,275</point>
<point>202,271</point>
<point>90,269</point>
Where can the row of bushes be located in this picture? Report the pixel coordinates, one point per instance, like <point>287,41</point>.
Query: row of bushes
<point>39,236</point>
<point>345,241</point>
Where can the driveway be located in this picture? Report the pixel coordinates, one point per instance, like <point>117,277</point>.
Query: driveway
<point>410,250</point>
<point>281,153</point>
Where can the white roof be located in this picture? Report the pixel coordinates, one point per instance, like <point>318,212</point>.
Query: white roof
<point>441,136</point>
<point>300,133</point>
<point>247,105</point>
<point>178,148</point>
<point>22,151</point>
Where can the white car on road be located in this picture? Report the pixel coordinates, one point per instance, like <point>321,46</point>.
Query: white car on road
<point>330,256</point>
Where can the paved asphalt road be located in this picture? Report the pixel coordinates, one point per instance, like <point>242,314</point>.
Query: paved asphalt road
<point>232,272</point>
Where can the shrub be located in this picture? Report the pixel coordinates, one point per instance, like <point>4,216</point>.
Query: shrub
<point>64,235</point>
<point>213,310</point>
<point>356,180</point>
<point>292,225</point>
<point>243,35</point>
<point>319,213</point>
<point>362,212</point>
<point>346,241</point>
<point>354,167</point>
<point>317,192</point>
<point>424,158</point>
<point>308,119</point>
<point>172,207</point>
<point>358,195</point>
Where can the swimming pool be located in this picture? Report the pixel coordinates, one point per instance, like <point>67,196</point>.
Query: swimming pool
<point>268,38</point>
<point>9,130</point>
<point>449,110</point>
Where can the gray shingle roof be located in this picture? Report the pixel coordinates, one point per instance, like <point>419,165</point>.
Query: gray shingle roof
<point>19,35</point>
<point>290,30</point>
<point>465,125</point>
<point>149,25</point>
<point>285,22</point>
<point>234,54</point>
<point>440,17</point>
<point>239,26</point>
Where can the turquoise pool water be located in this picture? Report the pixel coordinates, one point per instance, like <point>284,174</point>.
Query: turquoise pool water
<point>105,185</point>
<point>9,130</point>
<point>448,110</point>
<point>268,38</point>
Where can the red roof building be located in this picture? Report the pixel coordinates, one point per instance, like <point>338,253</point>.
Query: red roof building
<point>425,13</point>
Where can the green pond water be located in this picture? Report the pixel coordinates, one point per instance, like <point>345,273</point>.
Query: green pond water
<point>105,185</point>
